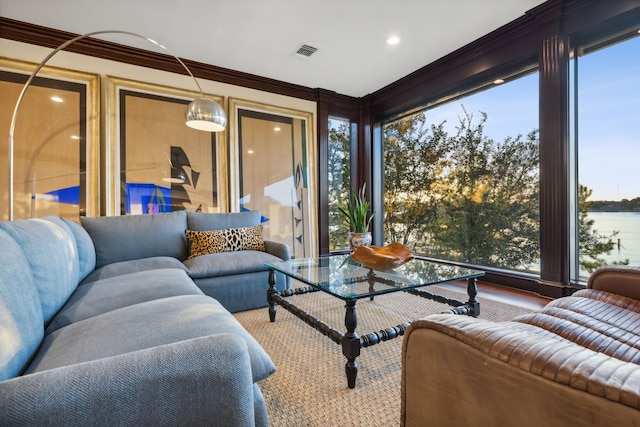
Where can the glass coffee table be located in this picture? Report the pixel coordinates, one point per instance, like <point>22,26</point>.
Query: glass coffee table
<point>346,279</point>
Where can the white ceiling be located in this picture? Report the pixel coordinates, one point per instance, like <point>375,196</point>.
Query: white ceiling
<point>261,36</point>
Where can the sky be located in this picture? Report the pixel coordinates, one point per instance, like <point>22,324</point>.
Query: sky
<point>609,121</point>
<point>608,131</point>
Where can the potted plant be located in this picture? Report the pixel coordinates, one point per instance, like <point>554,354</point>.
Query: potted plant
<point>356,212</point>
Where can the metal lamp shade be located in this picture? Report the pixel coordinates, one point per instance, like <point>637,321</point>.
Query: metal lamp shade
<point>206,114</point>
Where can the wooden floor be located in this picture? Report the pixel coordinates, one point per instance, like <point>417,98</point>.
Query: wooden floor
<point>511,296</point>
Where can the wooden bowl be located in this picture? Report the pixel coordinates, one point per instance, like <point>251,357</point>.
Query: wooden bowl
<point>385,258</point>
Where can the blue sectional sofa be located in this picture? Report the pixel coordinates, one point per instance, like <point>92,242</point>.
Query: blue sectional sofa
<point>103,323</point>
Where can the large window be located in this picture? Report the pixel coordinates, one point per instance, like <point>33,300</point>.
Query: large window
<point>461,178</point>
<point>339,167</point>
<point>607,88</point>
<point>471,172</point>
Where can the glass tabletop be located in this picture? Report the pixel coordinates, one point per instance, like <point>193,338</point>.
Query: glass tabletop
<point>344,278</point>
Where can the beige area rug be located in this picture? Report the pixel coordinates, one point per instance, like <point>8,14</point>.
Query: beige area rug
<point>309,387</point>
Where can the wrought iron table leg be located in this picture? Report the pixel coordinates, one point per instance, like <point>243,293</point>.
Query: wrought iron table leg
<point>472,291</point>
<point>270,292</point>
<point>351,344</point>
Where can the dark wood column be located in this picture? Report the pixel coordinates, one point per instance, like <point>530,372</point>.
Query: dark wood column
<point>322,146</point>
<point>365,147</point>
<point>554,155</point>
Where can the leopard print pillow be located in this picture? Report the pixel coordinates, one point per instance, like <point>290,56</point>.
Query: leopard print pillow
<point>227,240</point>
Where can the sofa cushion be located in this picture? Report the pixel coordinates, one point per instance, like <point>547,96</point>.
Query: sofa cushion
<point>52,254</point>
<point>600,321</point>
<point>241,292</point>
<point>113,293</point>
<point>123,238</point>
<point>86,250</point>
<point>21,322</point>
<point>142,326</point>
<point>133,266</point>
<point>228,263</point>
<point>202,221</point>
<point>226,240</point>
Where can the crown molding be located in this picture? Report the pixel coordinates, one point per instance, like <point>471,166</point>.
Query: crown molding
<point>48,37</point>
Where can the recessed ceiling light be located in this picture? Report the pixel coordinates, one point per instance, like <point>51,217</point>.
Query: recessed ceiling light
<point>249,151</point>
<point>498,81</point>
<point>277,129</point>
<point>393,40</point>
<point>75,137</point>
<point>56,99</point>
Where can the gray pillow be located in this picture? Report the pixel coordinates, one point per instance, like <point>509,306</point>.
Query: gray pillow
<point>202,221</point>
<point>128,237</point>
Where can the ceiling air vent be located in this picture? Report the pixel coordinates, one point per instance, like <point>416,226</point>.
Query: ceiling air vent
<point>306,51</point>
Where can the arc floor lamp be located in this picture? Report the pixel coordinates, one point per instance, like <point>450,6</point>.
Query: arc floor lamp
<point>202,113</point>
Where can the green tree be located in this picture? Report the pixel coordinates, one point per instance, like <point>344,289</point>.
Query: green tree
<point>467,197</point>
<point>339,180</point>
<point>414,156</point>
<point>489,210</point>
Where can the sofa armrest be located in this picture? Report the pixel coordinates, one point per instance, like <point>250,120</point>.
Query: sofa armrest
<point>619,280</point>
<point>458,370</point>
<point>202,381</point>
<point>278,249</point>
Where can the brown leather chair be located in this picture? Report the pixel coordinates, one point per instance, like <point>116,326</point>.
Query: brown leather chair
<point>573,363</point>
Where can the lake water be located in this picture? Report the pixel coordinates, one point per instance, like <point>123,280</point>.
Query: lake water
<point>627,224</point>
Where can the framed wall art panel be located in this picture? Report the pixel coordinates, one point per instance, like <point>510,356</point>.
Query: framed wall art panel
<point>155,162</point>
<point>272,167</point>
<point>56,141</point>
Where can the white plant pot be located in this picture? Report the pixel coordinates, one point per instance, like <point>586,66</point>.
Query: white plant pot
<point>359,239</point>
